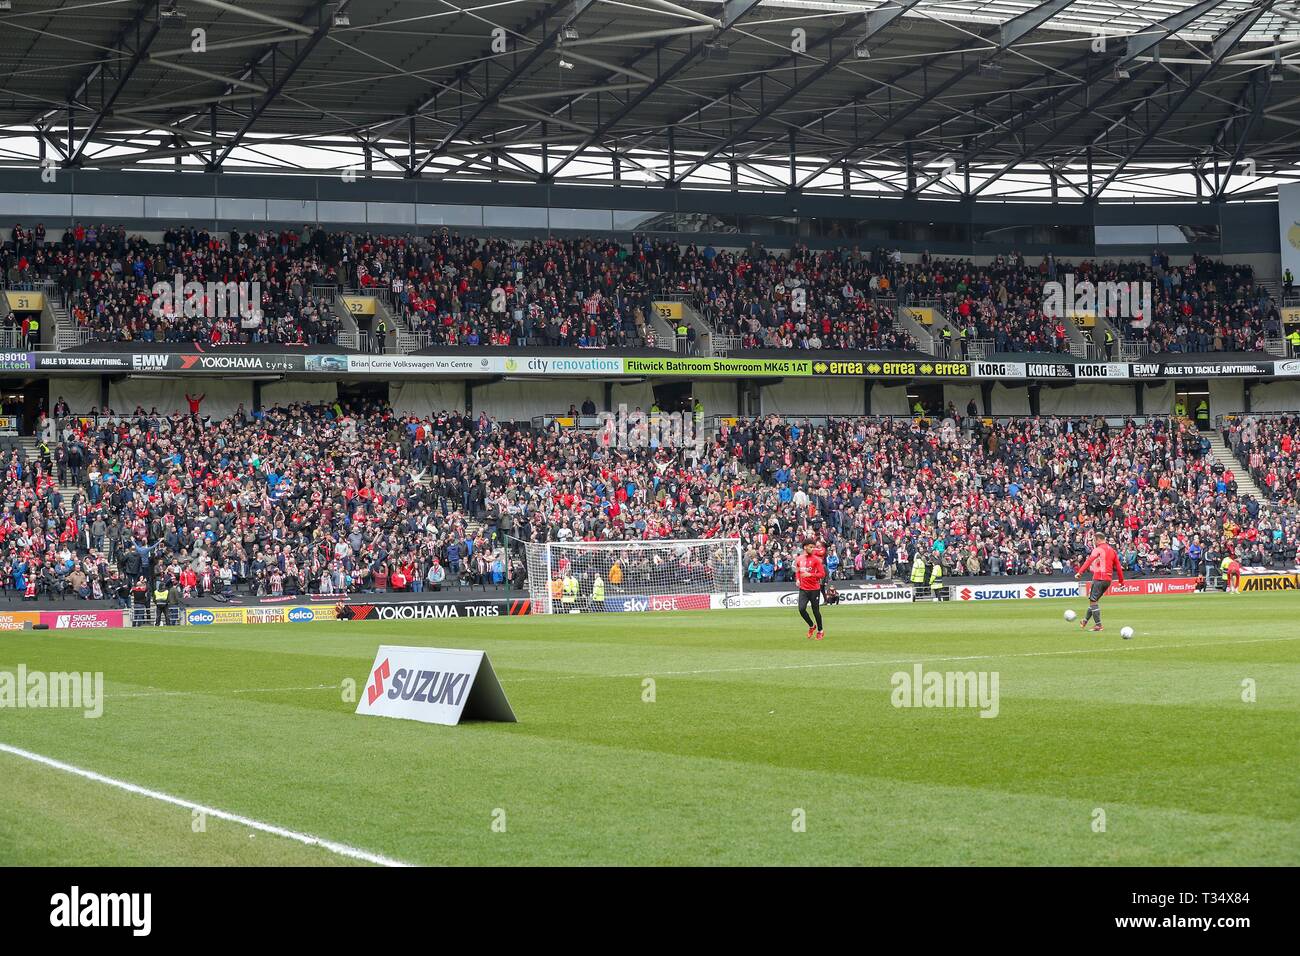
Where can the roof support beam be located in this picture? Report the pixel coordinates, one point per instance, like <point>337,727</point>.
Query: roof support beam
<point>1122,81</point>
<point>1140,43</point>
<point>138,56</point>
<point>264,17</point>
<point>732,12</point>
<point>1010,32</point>
<point>1261,89</point>
<point>550,37</point>
<point>148,11</point>
<point>877,20</point>
<point>462,74</point>
<point>324,22</point>
<point>1232,33</point>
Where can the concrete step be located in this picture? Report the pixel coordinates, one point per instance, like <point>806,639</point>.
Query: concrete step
<point>1223,454</point>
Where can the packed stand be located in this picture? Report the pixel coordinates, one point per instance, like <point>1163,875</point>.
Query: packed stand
<point>305,499</point>
<point>1204,306</point>
<point>593,292</point>
<point>802,299</point>
<point>460,290</point>
<point>1270,450</point>
<point>253,287</point>
<point>1017,497</point>
<point>334,500</point>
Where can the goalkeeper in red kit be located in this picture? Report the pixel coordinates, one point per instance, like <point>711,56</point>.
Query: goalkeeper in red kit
<point>1104,564</point>
<point>809,573</point>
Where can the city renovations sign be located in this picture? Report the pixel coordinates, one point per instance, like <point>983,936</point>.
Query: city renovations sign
<point>434,685</point>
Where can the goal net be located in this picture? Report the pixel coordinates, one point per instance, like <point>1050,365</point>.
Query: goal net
<point>567,577</point>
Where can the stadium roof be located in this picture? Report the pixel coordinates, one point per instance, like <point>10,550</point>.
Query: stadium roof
<point>1000,99</point>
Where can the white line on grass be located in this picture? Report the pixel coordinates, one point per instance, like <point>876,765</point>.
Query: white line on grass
<point>340,849</point>
<point>900,660</point>
<point>756,667</point>
<point>218,691</point>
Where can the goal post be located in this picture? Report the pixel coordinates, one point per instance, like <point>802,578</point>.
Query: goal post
<point>567,577</point>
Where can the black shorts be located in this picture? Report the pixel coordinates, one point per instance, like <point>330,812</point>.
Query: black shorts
<point>809,597</point>
<point>1097,590</point>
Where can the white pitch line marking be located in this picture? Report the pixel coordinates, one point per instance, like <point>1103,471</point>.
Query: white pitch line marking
<point>339,849</point>
<point>761,667</point>
<point>217,692</point>
<point>902,660</point>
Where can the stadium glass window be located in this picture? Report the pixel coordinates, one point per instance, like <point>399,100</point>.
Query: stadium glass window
<point>515,217</point>
<point>1035,234</point>
<point>629,220</point>
<point>600,220</point>
<point>444,214</point>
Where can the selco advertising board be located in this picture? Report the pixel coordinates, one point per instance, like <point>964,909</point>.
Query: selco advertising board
<point>292,614</point>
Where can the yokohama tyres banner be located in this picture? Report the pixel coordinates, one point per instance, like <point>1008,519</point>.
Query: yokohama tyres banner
<point>431,610</point>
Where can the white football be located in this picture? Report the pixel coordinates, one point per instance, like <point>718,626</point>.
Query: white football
<point>1126,633</point>
<point>1070,615</point>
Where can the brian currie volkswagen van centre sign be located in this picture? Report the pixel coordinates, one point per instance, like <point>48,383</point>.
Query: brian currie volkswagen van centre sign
<point>434,685</point>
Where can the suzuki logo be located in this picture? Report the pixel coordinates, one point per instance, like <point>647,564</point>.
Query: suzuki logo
<point>1030,592</point>
<point>965,594</point>
<point>376,690</point>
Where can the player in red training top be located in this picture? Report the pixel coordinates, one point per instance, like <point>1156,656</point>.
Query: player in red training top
<point>1104,564</point>
<point>819,549</point>
<point>809,572</point>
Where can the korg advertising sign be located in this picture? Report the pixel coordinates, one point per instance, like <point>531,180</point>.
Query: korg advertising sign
<point>434,685</point>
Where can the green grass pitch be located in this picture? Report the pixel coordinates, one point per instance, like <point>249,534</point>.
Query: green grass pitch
<point>752,729</point>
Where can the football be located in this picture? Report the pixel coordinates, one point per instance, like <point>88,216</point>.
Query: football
<point>1070,616</point>
<point>1126,633</point>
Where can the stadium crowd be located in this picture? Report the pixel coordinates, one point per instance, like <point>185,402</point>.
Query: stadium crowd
<point>329,499</point>
<point>1270,450</point>
<point>450,289</point>
<point>1204,306</point>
